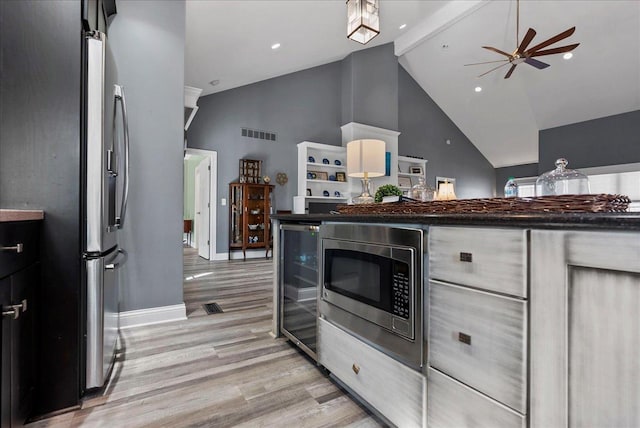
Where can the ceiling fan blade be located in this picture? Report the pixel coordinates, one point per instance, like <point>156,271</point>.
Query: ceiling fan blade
<point>537,64</point>
<point>513,67</point>
<point>553,40</point>
<point>493,69</point>
<point>561,49</point>
<point>487,62</point>
<point>531,33</point>
<point>497,51</point>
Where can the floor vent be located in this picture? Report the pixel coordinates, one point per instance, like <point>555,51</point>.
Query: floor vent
<point>212,308</point>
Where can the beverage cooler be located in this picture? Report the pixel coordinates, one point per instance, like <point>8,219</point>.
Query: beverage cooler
<point>299,284</point>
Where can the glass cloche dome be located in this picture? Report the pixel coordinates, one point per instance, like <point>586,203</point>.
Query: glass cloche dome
<point>562,181</point>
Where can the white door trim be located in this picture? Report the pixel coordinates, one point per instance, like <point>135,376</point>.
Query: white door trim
<point>213,196</point>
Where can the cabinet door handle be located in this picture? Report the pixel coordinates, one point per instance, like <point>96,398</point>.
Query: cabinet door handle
<point>18,248</point>
<point>355,368</point>
<point>10,311</point>
<point>14,310</point>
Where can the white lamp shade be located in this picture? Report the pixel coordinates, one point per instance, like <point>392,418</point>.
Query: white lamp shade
<point>366,158</point>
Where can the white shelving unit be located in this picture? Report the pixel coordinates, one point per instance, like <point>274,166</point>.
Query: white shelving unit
<point>311,159</point>
<point>405,164</point>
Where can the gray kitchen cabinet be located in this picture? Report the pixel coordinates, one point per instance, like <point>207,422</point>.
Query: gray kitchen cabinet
<point>452,404</point>
<point>492,259</point>
<point>585,329</point>
<point>477,361</point>
<point>392,388</point>
<point>479,338</point>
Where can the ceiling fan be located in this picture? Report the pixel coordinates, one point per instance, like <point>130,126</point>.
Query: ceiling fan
<point>522,54</point>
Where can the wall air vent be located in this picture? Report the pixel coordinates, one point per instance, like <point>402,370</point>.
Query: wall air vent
<point>260,135</point>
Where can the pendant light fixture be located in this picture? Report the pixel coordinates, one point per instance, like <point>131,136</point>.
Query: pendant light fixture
<point>363,20</point>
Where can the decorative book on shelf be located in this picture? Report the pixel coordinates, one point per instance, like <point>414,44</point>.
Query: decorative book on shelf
<point>602,203</point>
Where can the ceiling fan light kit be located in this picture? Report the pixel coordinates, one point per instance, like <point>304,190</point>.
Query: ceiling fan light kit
<point>523,55</point>
<point>363,20</point>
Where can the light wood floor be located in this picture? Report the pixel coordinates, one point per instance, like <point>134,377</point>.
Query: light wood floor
<point>218,370</point>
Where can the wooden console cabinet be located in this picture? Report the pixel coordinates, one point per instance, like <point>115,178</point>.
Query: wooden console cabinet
<point>250,217</point>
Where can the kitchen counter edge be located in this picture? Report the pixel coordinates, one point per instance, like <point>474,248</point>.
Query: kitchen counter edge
<point>609,221</point>
<point>8,215</point>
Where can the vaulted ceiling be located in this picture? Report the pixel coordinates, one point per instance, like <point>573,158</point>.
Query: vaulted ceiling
<point>231,41</point>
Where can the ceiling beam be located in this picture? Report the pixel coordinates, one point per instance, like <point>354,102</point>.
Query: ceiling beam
<point>442,19</point>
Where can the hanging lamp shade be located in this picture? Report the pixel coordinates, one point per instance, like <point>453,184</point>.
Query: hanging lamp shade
<point>363,20</point>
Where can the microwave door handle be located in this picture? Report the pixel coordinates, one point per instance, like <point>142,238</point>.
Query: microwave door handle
<point>119,93</point>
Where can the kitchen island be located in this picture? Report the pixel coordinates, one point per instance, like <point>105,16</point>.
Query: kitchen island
<point>530,320</point>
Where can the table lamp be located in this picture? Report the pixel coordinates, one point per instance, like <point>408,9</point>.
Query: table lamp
<point>445,192</point>
<point>365,159</point>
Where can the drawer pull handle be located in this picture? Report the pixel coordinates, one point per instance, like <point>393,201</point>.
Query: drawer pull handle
<point>14,310</point>
<point>355,368</point>
<point>9,311</point>
<point>464,338</point>
<point>18,248</point>
<point>466,257</point>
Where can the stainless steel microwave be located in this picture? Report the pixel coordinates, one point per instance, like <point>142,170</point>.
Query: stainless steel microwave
<point>371,278</point>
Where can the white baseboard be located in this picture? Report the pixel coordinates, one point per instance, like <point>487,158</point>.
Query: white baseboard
<point>150,316</point>
<point>237,255</point>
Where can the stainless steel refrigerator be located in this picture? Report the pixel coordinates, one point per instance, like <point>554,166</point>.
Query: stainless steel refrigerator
<point>106,184</point>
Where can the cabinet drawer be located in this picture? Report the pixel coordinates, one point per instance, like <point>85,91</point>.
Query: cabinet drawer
<point>12,234</point>
<point>393,389</point>
<point>491,259</point>
<point>452,404</point>
<point>479,339</point>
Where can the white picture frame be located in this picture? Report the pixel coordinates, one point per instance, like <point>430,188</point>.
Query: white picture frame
<point>404,182</point>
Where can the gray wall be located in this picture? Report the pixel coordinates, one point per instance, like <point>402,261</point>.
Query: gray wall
<point>517,171</point>
<point>609,140</point>
<point>424,129</point>
<point>148,44</point>
<point>370,87</point>
<point>302,106</point>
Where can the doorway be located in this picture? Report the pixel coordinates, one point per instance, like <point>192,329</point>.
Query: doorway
<point>200,195</point>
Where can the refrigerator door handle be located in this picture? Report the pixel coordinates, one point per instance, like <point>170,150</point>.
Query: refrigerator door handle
<point>119,261</point>
<point>119,94</point>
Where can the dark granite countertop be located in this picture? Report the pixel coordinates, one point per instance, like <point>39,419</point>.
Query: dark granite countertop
<point>610,221</point>
<point>20,215</point>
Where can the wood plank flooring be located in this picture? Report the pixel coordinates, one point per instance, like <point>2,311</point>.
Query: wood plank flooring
<point>219,370</point>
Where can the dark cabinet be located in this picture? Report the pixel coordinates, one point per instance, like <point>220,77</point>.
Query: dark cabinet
<point>299,280</point>
<point>18,333</point>
<point>250,217</point>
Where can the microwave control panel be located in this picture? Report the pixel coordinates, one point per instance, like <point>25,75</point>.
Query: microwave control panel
<point>401,290</point>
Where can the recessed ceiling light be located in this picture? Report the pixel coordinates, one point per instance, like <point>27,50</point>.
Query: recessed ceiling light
<point>275,46</point>
<point>214,82</point>
<point>478,89</point>
<point>568,55</point>
<point>403,26</point>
